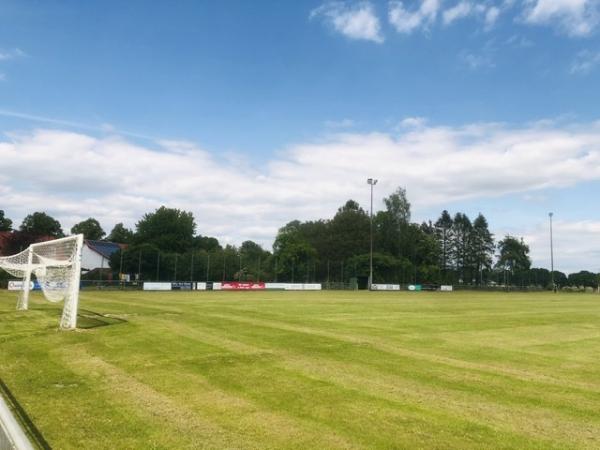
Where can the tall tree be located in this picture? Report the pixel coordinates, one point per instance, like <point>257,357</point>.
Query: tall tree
<point>443,231</point>
<point>169,229</point>
<point>293,253</point>
<point>5,222</point>
<point>461,246</point>
<point>41,224</point>
<point>120,234</point>
<point>90,228</point>
<point>349,231</point>
<point>398,206</point>
<point>482,245</point>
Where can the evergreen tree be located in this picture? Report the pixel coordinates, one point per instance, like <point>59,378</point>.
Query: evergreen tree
<point>483,246</point>
<point>461,246</point>
<point>443,231</point>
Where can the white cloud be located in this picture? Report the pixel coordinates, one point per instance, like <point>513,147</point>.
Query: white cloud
<point>357,21</point>
<point>11,54</point>
<point>460,10</point>
<point>491,16</point>
<point>477,61</point>
<point>405,21</point>
<point>585,62</point>
<point>574,17</point>
<point>576,245</point>
<point>413,122</point>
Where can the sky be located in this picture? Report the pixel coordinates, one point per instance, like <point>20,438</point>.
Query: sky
<point>252,114</point>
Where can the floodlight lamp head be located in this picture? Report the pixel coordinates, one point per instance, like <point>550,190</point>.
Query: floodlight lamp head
<point>550,214</point>
<point>371,181</point>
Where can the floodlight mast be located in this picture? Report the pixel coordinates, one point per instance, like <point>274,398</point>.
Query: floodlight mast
<point>551,254</point>
<point>372,182</point>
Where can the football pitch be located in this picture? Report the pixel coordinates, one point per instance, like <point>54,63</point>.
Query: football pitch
<point>301,370</point>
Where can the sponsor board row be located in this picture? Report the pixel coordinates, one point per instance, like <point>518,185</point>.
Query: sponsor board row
<point>229,286</point>
<point>411,287</point>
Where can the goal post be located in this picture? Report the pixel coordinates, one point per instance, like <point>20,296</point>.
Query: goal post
<point>56,265</point>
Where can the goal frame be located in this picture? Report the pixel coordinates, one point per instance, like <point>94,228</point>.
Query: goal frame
<point>68,319</point>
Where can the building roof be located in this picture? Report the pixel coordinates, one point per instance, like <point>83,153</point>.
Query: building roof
<point>104,248</point>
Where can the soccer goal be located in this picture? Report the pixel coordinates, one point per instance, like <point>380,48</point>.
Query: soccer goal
<point>56,266</point>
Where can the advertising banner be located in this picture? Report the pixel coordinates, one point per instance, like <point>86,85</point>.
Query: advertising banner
<point>17,285</point>
<point>385,287</point>
<point>294,286</point>
<point>181,286</point>
<point>241,286</point>
<point>156,286</point>
<point>415,287</point>
<point>447,288</point>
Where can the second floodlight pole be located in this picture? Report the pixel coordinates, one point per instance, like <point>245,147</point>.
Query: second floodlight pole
<point>372,182</point>
<point>551,254</point>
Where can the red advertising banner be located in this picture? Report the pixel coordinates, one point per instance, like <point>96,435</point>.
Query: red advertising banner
<point>241,286</point>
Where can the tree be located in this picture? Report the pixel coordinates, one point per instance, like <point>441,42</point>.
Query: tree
<point>443,230</point>
<point>41,224</point>
<point>482,243</point>
<point>169,229</point>
<point>90,228</point>
<point>349,232</point>
<point>583,278</point>
<point>210,244</point>
<point>292,252</point>
<point>120,234</point>
<point>462,229</point>
<point>513,254</point>
<point>398,206</point>
<point>391,224</point>
<point>5,222</point>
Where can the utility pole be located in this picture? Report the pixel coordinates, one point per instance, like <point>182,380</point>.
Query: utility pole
<point>372,182</point>
<point>192,268</point>
<point>207,266</point>
<point>551,254</point>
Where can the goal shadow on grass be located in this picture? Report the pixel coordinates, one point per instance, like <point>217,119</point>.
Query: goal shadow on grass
<point>87,319</point>
<point>25,421</point>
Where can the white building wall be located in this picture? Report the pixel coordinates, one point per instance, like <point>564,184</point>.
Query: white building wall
<point>91,260</point>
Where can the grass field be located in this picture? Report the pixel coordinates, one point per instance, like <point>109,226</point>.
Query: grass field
<point>308,370</point>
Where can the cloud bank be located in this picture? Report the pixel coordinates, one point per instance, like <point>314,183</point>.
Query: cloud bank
<point>73,176</point>
<point>575,18</point>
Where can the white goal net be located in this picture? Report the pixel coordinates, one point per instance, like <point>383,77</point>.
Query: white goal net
<point>56,265</point>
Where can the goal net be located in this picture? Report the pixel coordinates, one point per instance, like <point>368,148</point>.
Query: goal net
<point>56,265</point>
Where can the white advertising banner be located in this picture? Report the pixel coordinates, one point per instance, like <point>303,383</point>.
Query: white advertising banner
<point>14,285</point>
<point>294,286</point>
<point>445,287</point>
<point>154,286</point>
<point>385,287</point>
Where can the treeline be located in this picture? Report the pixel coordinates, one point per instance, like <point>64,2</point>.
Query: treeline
<point>454,249</point>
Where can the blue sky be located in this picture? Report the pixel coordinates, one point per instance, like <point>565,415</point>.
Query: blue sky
<point>308,99</point>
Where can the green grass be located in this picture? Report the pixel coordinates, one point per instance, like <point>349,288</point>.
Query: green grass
<point>309,370</point>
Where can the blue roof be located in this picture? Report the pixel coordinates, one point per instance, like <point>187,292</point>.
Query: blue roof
<point>103,247</point>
